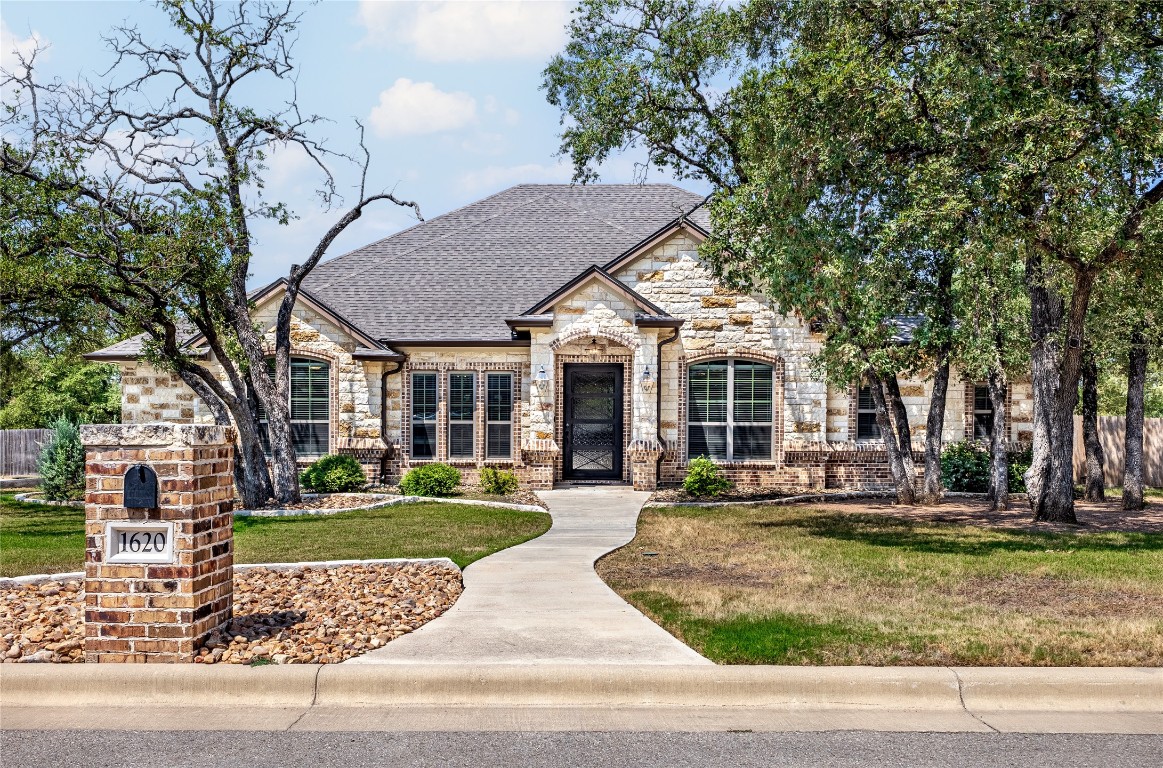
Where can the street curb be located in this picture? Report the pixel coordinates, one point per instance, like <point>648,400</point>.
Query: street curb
<point>847,688</point>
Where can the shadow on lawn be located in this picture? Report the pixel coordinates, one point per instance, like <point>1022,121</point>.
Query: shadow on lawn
<point>951,539</point>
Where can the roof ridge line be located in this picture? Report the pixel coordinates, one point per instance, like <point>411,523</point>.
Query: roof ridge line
<point>588,214</point>
<point>505,212</point>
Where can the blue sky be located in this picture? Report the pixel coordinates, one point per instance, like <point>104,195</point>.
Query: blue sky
<point>449,92</point>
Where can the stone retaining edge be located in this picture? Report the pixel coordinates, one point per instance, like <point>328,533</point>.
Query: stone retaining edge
<point>1043,689</point>
<point>40,578</point>
<point>389,501</point>
<point>813,498</point>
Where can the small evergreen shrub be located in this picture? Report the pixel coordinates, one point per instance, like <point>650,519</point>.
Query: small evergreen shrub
<point>334,474</point>
<point>1019,463</point>
<point>498,481</point>
<point>431,480</point>
<point>62,463</point>
<point>965,467</point>
<point>704,478</point>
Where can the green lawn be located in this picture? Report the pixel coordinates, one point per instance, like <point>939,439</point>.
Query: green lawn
<point>748,585</point>
<point>35,538</point>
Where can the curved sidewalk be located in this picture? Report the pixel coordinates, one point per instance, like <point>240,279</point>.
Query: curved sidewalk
<point>542,603</point>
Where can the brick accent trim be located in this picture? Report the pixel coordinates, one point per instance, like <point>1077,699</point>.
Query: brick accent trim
<point>520,372</point>
<point>627,362</point>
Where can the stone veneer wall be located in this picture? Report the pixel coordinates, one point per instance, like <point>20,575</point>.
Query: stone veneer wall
<point>718,323</point>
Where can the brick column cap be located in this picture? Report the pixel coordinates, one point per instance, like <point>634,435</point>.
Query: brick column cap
<point>155,434</point>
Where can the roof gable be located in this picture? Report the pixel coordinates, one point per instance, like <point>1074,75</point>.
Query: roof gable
<point>605,278</point>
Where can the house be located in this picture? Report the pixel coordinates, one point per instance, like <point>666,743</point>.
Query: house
<point>569,333</point>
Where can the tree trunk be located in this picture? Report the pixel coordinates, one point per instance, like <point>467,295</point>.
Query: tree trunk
<point>251,478</point>
<point>934,427</point>
<point>1055,371</point>
<point>1133,445</point>
<point>903,474</point>
<point>904,435</point>
<point>999,473</point>
<point>1094,452</point>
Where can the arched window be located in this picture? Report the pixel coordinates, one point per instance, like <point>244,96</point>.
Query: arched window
<point>310,401</point>
<point>729,410</point>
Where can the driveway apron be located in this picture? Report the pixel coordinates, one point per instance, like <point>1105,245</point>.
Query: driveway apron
<point>542,603</point>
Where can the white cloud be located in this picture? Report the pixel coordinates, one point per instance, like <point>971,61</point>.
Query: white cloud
<point>494,177</point>
<point>468,30</point>
<point>410,108</point>
<point>13,48</point>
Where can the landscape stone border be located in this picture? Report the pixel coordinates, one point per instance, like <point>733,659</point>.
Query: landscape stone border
<point>30,498</point>
<point>812,498</point>
<point>386,500</point>
<point>40,578</point>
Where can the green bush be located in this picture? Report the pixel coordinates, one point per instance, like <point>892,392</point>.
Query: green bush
<point>431,480</point>
<point>334,474</point>
<point>62,463</point>
<point>498,481</point>
<point>704,478</point>
<point>1019,462</point>
<point>965,467</point>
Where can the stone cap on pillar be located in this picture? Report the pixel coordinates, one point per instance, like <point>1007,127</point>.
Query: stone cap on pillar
<point>155,434</point>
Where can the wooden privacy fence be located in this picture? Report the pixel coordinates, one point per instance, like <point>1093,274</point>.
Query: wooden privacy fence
<point>19,450</point>
<point>1112,433</point>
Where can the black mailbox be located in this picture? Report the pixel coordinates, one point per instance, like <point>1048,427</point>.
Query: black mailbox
<point>141,488</point>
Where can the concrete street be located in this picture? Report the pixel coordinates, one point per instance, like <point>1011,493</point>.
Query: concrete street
<point>188,749</point>
<point>541,602</point>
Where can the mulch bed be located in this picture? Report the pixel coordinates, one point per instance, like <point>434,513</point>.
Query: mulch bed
<point>476,493</point>
<point>680,496</point>
<point>1092,517</point>
<point>321,501</point>
<point>314,615</point>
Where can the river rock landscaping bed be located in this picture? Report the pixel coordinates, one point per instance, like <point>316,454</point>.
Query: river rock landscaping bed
<point>282,615</point>
<point>329,502</point>
<point>470,493</point>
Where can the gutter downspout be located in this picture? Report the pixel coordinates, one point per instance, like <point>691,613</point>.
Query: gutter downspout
<point>384,404</point>
<point>658,405</point>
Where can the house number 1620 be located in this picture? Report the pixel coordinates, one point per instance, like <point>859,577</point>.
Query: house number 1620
<point>133,541</point>
<point>143,541</point>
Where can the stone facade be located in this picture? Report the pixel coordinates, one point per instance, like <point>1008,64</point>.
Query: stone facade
<point>597,321</point>
<point>159,612</point>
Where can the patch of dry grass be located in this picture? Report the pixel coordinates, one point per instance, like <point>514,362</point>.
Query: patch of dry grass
<point>804,586</point>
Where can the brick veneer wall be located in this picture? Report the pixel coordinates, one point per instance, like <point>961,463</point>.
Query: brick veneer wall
<point>159,612</point>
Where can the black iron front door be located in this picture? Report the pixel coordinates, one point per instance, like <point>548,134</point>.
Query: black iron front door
<point>593,422</point>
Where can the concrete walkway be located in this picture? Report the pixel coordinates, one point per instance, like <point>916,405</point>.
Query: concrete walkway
<point>541,602</point>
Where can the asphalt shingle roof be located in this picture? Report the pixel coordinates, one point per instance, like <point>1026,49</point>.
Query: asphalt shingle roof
<point>461,275</point>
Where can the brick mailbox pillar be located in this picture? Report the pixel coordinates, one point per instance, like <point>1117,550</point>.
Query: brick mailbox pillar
<point>158,575</point>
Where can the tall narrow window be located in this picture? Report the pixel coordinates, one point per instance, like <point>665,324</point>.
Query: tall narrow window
<point>310,402</point>
<point>730,404</point>
<point>866,426</point>
<point>982,413</point>
<point>424,415</point>
<point>499,416</point>
<point>461,412</point>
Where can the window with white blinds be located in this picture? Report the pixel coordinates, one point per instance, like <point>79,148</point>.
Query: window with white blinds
<point>730,410</point>
<point>310,402</point>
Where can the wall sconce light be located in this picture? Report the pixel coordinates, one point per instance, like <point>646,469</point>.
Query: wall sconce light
<point>541,378</point>
<point>648,382</point>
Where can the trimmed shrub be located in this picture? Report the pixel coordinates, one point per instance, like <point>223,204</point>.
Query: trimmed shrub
<point>431,480</point>
<point>498,481</point>
<point>334,474</point>
<point>965,467</point>
<point>704,478</point>
<point>62,463</point>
